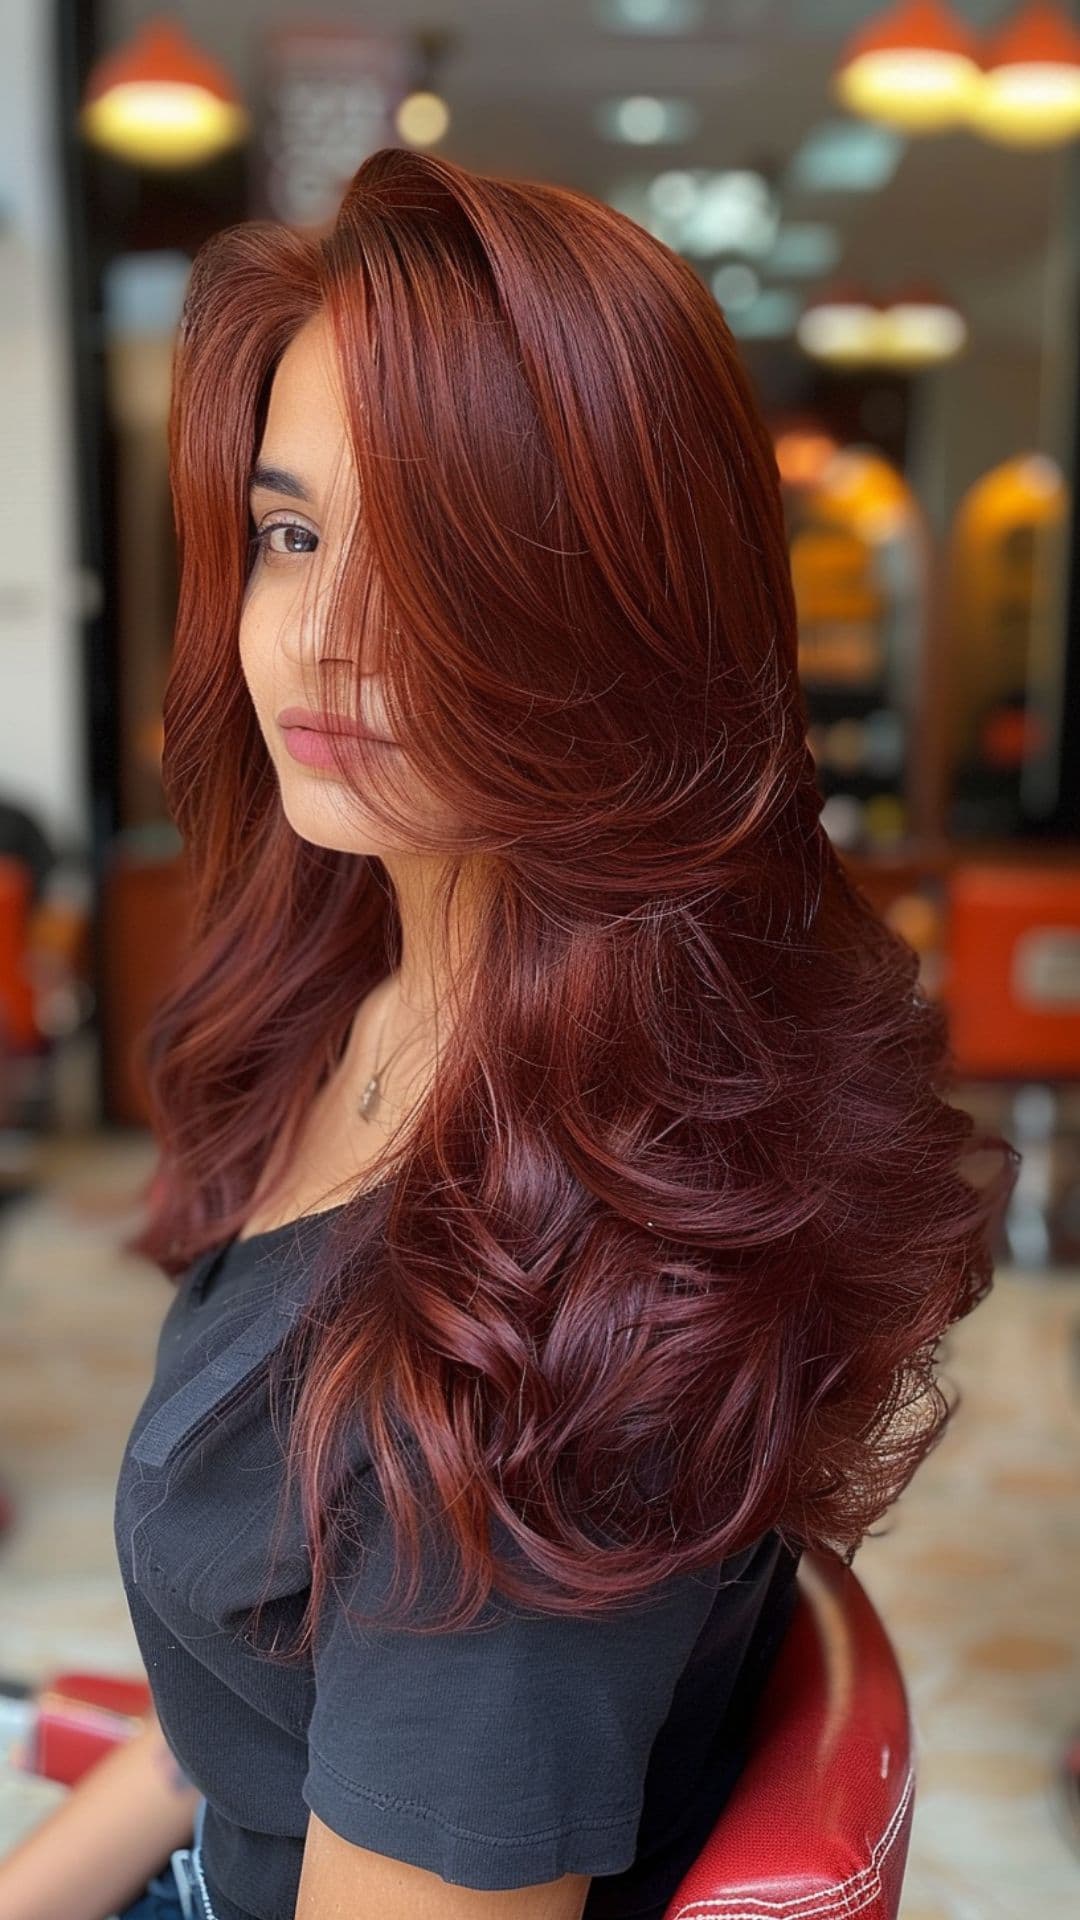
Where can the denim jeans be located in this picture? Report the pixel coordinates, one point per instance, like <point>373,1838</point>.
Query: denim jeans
<point>180,1892</point>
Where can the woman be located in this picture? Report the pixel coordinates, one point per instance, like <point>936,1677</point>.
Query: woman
<point>554,1165</point>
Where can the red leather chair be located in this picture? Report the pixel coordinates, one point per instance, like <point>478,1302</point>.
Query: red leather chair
<point>18,1024</point>
<point>819,1822</point>
<point>74,1719</point>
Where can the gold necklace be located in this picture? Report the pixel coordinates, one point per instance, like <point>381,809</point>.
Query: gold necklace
<point>370,1097</point>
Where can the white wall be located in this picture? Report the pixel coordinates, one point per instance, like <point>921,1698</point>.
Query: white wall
<point>41,755</point>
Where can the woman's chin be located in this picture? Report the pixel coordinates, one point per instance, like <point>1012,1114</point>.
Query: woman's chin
<point>318,807</point>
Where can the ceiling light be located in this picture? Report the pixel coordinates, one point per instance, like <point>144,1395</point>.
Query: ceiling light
<point>846,156</point>
<point>650,16</point>
<point>645,121</point>
<point>422,118</point>
<point>1030,91</point>
<point>915,67</point>
<point>848,326</point>
<point>673,193</point>
<point>159,101</point>
<point>919,328</point>
<point>701,212</point>
<point>734,212</point>
<point>840,326</point>
<point>735,284</point>
<point>805,247</point>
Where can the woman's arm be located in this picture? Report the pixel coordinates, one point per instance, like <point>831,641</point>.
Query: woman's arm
<point>339,1881</point>
<point>94,1852</point>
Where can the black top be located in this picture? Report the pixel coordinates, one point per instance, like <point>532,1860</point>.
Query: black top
<point>495,1758</point>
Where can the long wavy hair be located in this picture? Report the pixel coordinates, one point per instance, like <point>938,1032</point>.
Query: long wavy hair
<point>666,1255</point>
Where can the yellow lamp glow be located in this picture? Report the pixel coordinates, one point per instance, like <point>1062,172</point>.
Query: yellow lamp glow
<point>915,67</point>
<point>840,326</point>
<point>160,102</point>
<point>422,118</point>
<point>847,327</point>
<point>1030,91</point>
<point>920,328</point>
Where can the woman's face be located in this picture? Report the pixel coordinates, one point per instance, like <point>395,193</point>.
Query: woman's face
<point>303,502</point>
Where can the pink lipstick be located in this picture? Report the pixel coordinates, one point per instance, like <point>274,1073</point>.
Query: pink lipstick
<point>308,735</point>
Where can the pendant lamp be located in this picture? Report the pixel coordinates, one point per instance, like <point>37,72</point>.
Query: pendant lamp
<point>159,101</point>
<point>1030,90</point>
<point>840,325</point>
<point>848,326</point>
<point>915,67</point>
<point>920,328</point>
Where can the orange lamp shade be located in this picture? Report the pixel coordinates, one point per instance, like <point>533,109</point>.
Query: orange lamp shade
<point>1030,91</point>
<point>916,66</point>
<point>160,101</point>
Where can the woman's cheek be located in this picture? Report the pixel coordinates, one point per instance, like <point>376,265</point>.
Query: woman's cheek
<point>249,646</point>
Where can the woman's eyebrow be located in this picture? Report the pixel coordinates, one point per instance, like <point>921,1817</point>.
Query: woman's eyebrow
<point>278,480</point>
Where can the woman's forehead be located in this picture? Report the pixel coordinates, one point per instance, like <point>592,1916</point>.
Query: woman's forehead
<point>306,429</point>
<point>306,385</point>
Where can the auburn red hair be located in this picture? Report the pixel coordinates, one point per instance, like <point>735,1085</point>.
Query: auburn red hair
<point>667,1259</point>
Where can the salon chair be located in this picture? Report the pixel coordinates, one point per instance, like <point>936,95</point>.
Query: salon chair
<point>818,1824</point>
<point>819,1820</point>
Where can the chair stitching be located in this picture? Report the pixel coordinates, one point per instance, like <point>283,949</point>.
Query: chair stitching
<point>852,1896</point>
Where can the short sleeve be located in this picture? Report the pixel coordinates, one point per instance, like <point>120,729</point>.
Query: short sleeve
<point>502,1755</point>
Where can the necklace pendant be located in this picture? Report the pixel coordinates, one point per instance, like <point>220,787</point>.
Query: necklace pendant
<point>369,1096</point>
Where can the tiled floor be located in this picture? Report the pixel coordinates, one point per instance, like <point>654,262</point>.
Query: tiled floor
<point>976,1570</point>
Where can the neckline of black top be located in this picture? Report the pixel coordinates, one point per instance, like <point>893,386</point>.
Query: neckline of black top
<point>285,1226</point>
<point>232,1255</point>
<point>299,1221</point>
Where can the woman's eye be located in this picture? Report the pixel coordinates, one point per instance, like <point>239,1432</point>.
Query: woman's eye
<point>286,537</point>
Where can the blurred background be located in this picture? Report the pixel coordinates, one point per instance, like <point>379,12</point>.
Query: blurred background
<point>886,204</point>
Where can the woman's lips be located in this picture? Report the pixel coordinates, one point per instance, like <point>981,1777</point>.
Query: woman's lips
<point>310,746</point>
<point>309,736</point>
